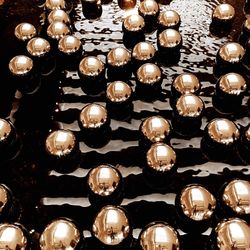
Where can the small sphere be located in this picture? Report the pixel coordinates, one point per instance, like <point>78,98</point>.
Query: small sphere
<point>57,30</point>
<point>159,235</point>
<point>155,129</point>
<point>38,47</point>
<point>55,4</point>
<point>197,203</point>
<point>93,116</point>
<point>246,26</point>
<point>233,233</point>
<point>189,105</point>
<point>169,19</point>
<point>20,65</point>
<point>12,237</point>
<point>170,39</point>
<point>118,57</point>
<point>5,130</point>
<point>118,92</point>
<point>236,195</point>
<point>143,51</point>
<point>60,143</point>
<point>58,15</point>
<point>25,31</point>
<point>91,66</point>
<point>223,13</point>
<point>161,157</point>
<point>126,4</point>
<point>247,134</point>
<point>60,234</point>
<point>223,131</point>
<point>149,74</point>
<point>111,226</point>
<point>232,52</point>
<point>232,84</point>
<point>104,180</point>
<point>148,8</point>
<point>186,83</point>
<point>69,44</point>
<point>133,23</point>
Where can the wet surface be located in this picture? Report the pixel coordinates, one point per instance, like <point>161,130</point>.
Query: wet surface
<point>45,194</point>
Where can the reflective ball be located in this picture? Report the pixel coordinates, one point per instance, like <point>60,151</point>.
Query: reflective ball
<point>13,237</point>
<point>69,44</point>
<point>155,129</point>
<point>104,180</point>
<point>161,157</point>
<point>143,52</point>
<point>118,92</point>
<point>197,203</point>
<point>169,39</point>
<point>61,233</point>
<point>55,4</point>
<point>223,131</point>
<point>189,105</point>
<point>58,15</point>
<point>20,65</point>
<point>111,226</point>
<point>118,57</point>
<point>236,195</point>
<point>246,26</point>
<point>223,13</point>
<point>133,23</point>
<point>233,233</point>
<point>57,30</point>
<point>148,8</point>
<point>149,74</point>
<point>5,198</point>
<point>25,31</point>
<point>159,235</point>
<point>60,143</point>
<point>38,47</point>
<point>5,130</point>
<point>91,66</point>
<point>93,116</point>
<point>169,19</point>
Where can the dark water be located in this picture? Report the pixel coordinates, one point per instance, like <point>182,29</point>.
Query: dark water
<point>46,195</point>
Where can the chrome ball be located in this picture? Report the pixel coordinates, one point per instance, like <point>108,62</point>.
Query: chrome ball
<point>5,130</point>
<point>169,19</point>
<point>143,51</point>
<point>25,31</point>
<point>58,15</point>
<point>197,203</point>
<point>232,52</point>
<point>60,234</point>
<point>149,74</point>
<point>91,66</point>
<point>148,8</point>
<point>155,129</point>
<point>69,44</point>
<point>55,4</point>
<point>111,226</point>
<point>38,47</point>
<point>161,157</point>
<point>20,65</point>
<point>57,30</point>
<point>118,57</point>
<point>133,23</point>
<point>224,12</point>
<point>170,39</point>
<point>118,92</point>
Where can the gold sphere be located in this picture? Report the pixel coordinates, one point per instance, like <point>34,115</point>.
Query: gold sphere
<point>20,65</point>
<point>57,30</point>
<point>197,203</point>
<point>170,38</point>
<point>4,197</point>
<point>247,134</point>
<point>189,105</point>
<point>143,51</point>
<point>169,19</point>
<point>134,23</point>
<point>5,130</point>
<point>58,15</point>
<point>69,44</point>
<point>25,31</point>
<point>224,12</point>
<point>155,129</point>
<point>93,116</point>
<point>103,180</point>
<point>223,131</point>
<point>159,236</point>
<point>149,8</point>
<point>246,24</point>
<point>186,83</point>
<point>55,4</point>
<point>149,74</point>
<point>161,157</point>
<point>232,52</point>
<point>233,233</point>
<point>38,47</point>
<point>236,195</point>
<point>111,226</point>
<point>118,57</point>
<point>232,84</point>
<point>91,66</point>
<point>12,237</point>
<point>118,91</point>
<point>60,234</point>
<point>60,143</point>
